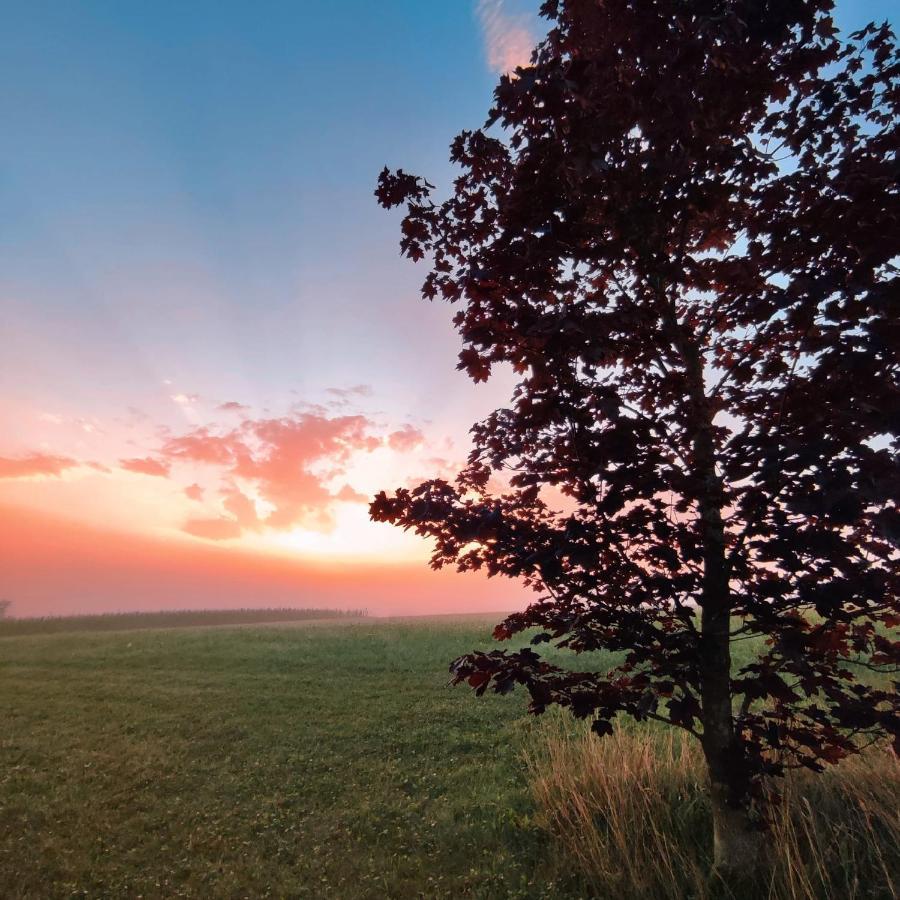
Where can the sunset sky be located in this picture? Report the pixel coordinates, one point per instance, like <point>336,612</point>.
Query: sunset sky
<point>213,354</point>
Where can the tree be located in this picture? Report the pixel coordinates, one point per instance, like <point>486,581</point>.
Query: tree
<point>681,227</point>
<point>4,608</point>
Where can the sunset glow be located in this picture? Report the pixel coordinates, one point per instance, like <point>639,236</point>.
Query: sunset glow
<point>214,355</point>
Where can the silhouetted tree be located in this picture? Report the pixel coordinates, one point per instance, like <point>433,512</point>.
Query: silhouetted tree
<point>4,608</point>
<point>680,227</point>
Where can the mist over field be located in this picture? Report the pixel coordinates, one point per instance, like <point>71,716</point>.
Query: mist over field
<point>62,568</point>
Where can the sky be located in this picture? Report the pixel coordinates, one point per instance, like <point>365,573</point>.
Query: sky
<point>213,354</point>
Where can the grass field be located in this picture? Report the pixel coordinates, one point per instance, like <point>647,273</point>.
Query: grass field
<point>326,761</point>
<point>331,759</point>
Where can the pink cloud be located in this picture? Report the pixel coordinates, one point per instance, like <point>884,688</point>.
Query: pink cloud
<point>35,464</point>
<point>233,406</point>
<point>146,466</point>
<point>194,492</point>
<point>288,461</point>
<point>242,508</point>
<point>405,439</point>
<point>290,449</point>
<point>201,446</point>
<point>350,495</point>
<point>508,40</point>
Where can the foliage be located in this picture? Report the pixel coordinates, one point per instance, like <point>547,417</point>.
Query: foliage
<point>681,226</point>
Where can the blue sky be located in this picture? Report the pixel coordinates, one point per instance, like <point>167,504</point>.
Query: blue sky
<point>186,191</point>
<point>187,188</point>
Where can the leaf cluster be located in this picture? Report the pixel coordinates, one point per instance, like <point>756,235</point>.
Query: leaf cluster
<point>680,225</point>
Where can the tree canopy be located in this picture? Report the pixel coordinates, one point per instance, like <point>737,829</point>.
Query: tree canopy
<point>680,226</point>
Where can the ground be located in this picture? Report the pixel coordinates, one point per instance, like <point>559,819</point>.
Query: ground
<point>331,759</point>
<point>311,760</point>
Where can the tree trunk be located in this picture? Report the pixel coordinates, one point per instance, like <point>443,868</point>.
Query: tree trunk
<point>737,845</point>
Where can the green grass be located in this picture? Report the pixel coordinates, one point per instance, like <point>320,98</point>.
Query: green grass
<point>306,761</point>
<point>331,759</point>
<point>180,618</point>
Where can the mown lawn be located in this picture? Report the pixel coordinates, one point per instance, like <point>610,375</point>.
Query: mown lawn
<point>327,760</point>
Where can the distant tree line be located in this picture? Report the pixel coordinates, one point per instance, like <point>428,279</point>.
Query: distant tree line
<point>168,619</point>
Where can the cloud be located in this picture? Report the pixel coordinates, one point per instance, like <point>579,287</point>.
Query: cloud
<point>242,508</point>
<point>405,439</point>
<point>508,39</point>
<point>350,495</point>
<point>219,529</point>
<point>286,466</point>
<point>185,399</point>
<point>286,463</point>
<point>254,473</point>
<point>437,467</point>
<point>202,446</point>
<point>146,466</point>
<point>35,464</point>
<point>232,406</point>
<point>344,395</point>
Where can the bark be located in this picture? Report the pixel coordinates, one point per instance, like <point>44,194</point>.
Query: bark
<point>737,844</point>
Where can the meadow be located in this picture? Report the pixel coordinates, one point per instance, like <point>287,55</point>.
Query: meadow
<point>332,759</point>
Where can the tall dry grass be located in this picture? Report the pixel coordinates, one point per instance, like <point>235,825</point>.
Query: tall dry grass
<point>631,814</point>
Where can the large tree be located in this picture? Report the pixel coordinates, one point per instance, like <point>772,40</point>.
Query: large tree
<point>680,226</point>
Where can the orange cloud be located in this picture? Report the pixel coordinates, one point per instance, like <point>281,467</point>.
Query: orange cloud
<point>405,439</point>
<point>242,508</point>
<point>35,464</point>
<point>288,461</point>
<point>201,446</point>
<point>508,40</point>
<point>263,475</point>
<point>350,495</point>
<point>290,450</point>
<point>146,466</point>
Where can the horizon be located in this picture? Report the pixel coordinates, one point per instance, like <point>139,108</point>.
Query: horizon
<point>216,355</point>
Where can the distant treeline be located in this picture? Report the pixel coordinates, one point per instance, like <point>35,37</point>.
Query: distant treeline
<point>181,618</point>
